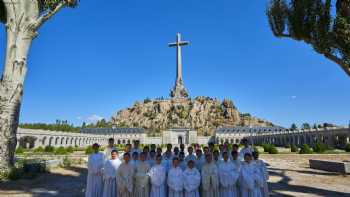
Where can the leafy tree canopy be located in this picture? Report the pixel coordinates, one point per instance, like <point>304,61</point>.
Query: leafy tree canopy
<point>313,22</point>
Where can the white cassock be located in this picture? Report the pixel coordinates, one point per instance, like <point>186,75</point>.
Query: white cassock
<point>228,176</point>
<point>94,186</point>
<point>265,176</point>
<point>134,163</point>
<point>199,162</point>
<point>192,180</point>
<point>190,157</point>
<point>110,182</point>
<point>183,165</point>
<point>210,180</point>
<point>166,163</point>
<point>125,180</point>
<point>141,180</point>
<point>175,182</point>
<point>157,175</point>
<point>250,180</point>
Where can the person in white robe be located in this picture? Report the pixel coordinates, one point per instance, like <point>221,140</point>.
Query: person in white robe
<point>152,158</point>
<point>216,157</point>
<point>110,171</point>
<point>200,160</point>
<point>109,148</point>
<point>246,149</point>
<point>183,164</point>
<point>135,160</point>
<point>250,179</point>
<point>167,161</point>
<point>190,155</point>
<point>192,180</point>
<point>263,173</point>
<point>210,179</point>
<point>141,178</point>
<point>157,175</point>
<point>136,147</point>
<point>125,178</point>
<point>228,176</point>
<point>94,186</point>
<point>175,180</point>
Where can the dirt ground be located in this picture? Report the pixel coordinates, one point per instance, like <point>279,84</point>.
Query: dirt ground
<point>289,176</point>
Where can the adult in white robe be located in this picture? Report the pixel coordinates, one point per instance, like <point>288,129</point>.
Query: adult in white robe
<point>94,186</point>
<point>210,179</point>
<point>200,160</point>
<point>109,148</point>
<point>260,164</point>
<point>228,176</point>
<point>141,178</point>
<point>250,179</point>
<point>125,178</point>
<point>157,175</point>
<point>192,180</point>
<point>110,171</point>
<point>246,149</point>
<point>175,180</point>
<point>190,155</point>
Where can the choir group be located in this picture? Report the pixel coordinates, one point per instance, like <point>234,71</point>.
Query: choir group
<point>151,173</point>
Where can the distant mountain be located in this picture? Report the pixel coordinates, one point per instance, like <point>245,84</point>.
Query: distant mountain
<point>203,114</point>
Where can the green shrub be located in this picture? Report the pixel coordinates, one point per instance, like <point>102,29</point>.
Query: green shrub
<point>19,150</point>
<point>273,149</point>
<point>293,148</point>
<point>320,147</point>
<point>287,146</point>
<point>61,151</point>
<point>305,149</point>
<point>12,174</point>
<point>266,147</point>
<point>89,150</point>
<point>66,162</point>
<point>40,149</point>
<point>49,149</point>
<point>70,149</point>
<point>347,148</point>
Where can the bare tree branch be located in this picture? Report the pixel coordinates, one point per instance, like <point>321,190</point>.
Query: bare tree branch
<point>42,19</point>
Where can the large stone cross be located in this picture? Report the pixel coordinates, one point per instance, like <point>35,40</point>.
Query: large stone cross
<point>179,90</point>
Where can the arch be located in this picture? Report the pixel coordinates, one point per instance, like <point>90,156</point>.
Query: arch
<point>118,141</point>
<point>56,140</point>
<point>62,140</point>
<point>27,142</point>
<point>43,141</point>
<point>51,141</point>
<point>180,140</point>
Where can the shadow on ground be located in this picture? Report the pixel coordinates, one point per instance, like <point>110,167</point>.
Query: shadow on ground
<point>277,189</point>
<point>48,184</point>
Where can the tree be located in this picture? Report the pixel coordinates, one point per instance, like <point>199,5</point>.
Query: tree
<point>305,126</point>
<point>311,21</point>
<point>293,127</point>
<point>22,19</point>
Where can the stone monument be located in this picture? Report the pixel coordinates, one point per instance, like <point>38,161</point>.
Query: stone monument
<point>179,91</point>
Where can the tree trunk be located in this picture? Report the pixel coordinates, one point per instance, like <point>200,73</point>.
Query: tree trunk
<point>20,16</point>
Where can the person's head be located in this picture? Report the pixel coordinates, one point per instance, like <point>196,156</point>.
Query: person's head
<point>225,156</point>
<point>159,150</point>
<point>146,149</point>
<point>234,155</point>
<point>136,144</point>
<point>127,147</point>
<point>190,150</point>
<point>221,147</point>
<point>143,156</point>
<point>182,147</point>
<point>208,158</point>
<point>216,155</point>
<point>126,157</point>
<point>247,157</point>
<point>152,154</point>
<point>153,147</point>
<point>176,150</point>
<point>135,155</point>
<point>245,142</point>
<point>211,146</point>
<point>190,164</point>
<point>175,162</point>
<point>235,147</point>
<point>169,147</point>
<point>198,153</point>
<point>255,155</point>
<point>114,154</point>
<point>96,147</point>
<point>181,156</point>
<point>206,150</point>
<point>158,159</point>
<point>111,142</point>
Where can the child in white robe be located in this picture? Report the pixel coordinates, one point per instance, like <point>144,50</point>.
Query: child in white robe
<point>250,179</point>
<point>110,171</point>
<point>228,175</point>
<point>141,182</point>
<point>192,180</point>
<point>263,173</point>
<point>125,178</point>
<point>157,175</point>
<point>175,180</point>
<point>190,155</point>
<point>94,186</point>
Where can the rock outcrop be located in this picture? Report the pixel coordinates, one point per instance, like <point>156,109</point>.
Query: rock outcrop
<point>203,114</point>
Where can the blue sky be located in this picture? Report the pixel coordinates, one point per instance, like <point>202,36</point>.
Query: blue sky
<point>91,61</point>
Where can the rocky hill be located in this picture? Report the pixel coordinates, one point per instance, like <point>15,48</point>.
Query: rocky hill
<point>203,114</point>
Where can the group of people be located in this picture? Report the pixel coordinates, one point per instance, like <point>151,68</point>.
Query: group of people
<point>150,172</point>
